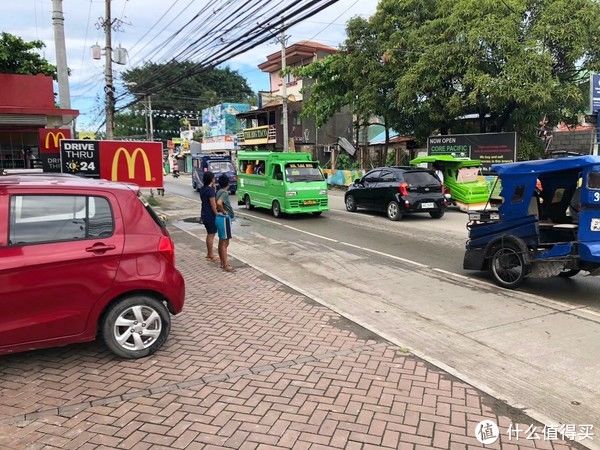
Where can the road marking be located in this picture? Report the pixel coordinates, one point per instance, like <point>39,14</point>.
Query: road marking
<point>534,297</point>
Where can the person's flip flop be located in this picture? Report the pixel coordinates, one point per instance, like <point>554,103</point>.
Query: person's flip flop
<point>214,260</point>
<point>228,269</point>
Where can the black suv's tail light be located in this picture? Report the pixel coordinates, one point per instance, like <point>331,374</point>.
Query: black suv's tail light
<point>403,189</point>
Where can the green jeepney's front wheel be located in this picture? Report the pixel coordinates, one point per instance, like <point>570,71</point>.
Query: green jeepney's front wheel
<point>276,209</point>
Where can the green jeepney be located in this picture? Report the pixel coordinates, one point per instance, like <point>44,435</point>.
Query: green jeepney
<point>289,182</point>
<point>462,179</point>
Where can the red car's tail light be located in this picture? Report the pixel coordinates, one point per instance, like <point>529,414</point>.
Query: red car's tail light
<point>166,247</point>
<point>403,189</point>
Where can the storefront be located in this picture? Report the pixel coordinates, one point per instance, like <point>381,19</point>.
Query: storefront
<point>31,126</point>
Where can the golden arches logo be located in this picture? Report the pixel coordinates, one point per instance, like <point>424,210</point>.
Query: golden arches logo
<point>130,158</point>
<point>56,137</point>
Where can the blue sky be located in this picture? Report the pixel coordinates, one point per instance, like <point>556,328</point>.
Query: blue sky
<point>32,19</point>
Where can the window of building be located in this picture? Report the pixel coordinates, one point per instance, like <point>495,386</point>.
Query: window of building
<point>55,218</point>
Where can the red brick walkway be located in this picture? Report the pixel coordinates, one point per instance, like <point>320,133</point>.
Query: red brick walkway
<point>250,364</point>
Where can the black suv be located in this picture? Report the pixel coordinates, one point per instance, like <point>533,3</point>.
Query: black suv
<point>398,191</point>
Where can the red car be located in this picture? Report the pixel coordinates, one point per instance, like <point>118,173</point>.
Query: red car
<point>81,258</point>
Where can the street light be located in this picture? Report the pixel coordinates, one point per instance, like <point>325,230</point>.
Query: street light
<point>148,105</point>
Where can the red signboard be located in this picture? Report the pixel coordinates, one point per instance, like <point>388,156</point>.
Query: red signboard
<point>50,139</point>
<point>132,162</point>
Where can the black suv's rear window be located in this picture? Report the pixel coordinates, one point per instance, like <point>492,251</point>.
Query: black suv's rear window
<point>420,178</point>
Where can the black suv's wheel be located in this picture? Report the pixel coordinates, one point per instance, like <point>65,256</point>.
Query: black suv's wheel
<point>437,214</point>
<point>507,266</point>
<point>350,203</point>
<point>136,326</point>
<point>393,210</point>
<point>568,273</point>
<point>276,209</point>
<point>247,202</point>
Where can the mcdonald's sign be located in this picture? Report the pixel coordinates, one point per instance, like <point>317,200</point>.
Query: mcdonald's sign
<point>50,139</point>
<point>132,162</point>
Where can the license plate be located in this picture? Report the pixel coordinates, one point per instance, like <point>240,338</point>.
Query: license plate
<point>427,205</point>
<point>309,202</point>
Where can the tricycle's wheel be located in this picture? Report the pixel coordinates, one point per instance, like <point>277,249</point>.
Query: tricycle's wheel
<point>507,267</point>
<point>568,273</point>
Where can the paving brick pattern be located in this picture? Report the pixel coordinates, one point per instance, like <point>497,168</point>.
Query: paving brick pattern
<point>250,364</point>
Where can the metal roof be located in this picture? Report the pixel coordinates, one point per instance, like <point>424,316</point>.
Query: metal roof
<point>545,165</point>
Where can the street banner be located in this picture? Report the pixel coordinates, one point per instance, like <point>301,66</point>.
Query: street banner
<point>80,157</point>
<point>49,147</point>
<point>595,92</point>
<point>138,162</point>
<point>489,148</point>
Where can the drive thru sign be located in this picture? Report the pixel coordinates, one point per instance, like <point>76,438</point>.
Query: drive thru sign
<point>137,162</point>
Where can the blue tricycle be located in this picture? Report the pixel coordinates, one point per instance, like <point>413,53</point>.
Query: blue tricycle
<point>543,220</point>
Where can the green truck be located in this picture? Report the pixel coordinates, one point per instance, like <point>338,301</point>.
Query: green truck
<point>462,179</point>
<point>290,183</point>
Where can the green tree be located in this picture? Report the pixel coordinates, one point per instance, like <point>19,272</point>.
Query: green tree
<point>512,62</point>
<point>194,93</point>
<point>422,65</point>
<point>21,57</point>
<point>356,76</point>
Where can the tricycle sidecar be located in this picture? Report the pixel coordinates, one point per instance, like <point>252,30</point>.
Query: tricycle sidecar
<point>547,222</point>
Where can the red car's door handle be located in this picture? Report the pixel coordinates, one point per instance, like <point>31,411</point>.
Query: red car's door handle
<point>100,248</point>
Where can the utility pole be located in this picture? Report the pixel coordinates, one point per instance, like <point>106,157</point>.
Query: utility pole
<point>283,40</point>
<point>108,75</point>
<point>150,117</point>
<point>58,23</point>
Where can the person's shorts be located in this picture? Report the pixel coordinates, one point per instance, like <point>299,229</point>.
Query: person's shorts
<point>223,226</point>
<point>211,227</point>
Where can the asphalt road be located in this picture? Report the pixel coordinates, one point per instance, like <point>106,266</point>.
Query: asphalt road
<point>435,243</point>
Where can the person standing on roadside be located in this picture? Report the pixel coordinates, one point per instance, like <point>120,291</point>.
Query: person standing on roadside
<point>208,212</point>
<point>223,221</point>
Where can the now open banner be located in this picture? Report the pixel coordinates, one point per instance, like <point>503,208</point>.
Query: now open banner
<point>138,162</point>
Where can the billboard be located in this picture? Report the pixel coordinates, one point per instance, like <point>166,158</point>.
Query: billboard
<point>221,119</point>
<point>138,162</point>
<point>489,148</point>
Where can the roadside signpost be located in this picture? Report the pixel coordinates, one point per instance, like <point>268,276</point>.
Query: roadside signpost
<point>138,162</point>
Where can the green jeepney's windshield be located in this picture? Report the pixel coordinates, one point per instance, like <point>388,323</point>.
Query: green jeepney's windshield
<point>295,172</point>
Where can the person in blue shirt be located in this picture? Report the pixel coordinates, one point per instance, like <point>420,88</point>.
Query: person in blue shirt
<point>208,213</point>
<point>224,217</point>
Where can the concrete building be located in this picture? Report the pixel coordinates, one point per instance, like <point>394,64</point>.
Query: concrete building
<point>263,127</point>
<point>31,125</point>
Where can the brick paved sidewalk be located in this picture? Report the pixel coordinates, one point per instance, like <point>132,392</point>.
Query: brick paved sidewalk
<point>249,364</point>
